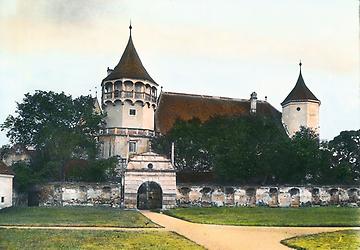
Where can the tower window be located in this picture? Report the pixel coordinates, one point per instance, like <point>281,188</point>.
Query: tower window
<point>2,199</point>
<point>110,148</point>
<point>132,112</point>
<point>132,146</point>
<point>298,108</point>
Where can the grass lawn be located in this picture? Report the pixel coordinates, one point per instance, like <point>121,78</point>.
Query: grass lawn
<point>73,216</point>
<point>347,239</point>
<point>264,216</point>
<point>86,239</point>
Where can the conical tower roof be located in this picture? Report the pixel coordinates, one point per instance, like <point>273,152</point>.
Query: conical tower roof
<point>130,65</point>
<point>300,92</point>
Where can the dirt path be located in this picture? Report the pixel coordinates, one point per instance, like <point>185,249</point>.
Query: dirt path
<point>233,237</point>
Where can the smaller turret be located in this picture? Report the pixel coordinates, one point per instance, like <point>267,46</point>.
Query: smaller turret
<point>300,108</point>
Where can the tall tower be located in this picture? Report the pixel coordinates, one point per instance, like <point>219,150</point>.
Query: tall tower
<point>300,108</point>
<point>129,98</point>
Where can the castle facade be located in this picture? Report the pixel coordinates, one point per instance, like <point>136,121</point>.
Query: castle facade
<point>137,110</point>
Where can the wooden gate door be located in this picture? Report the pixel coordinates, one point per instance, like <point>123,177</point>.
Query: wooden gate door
<point>149,196</point>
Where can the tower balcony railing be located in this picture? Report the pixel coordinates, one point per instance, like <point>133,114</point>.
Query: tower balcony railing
<point>108,95</point>
<point>128,94</point>
<point>128,131</point>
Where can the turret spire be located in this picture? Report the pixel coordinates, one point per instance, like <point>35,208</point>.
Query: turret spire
<point>300,92</point>
<point>130,27</point>
<point>130,65</point>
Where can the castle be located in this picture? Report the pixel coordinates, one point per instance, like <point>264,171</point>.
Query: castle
<point>137,110</point>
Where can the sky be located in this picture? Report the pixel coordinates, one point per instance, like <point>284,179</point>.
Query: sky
<point>220,48</point>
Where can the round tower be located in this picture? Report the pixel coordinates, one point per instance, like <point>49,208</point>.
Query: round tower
<point>300,108</point>
<point>129,98</point>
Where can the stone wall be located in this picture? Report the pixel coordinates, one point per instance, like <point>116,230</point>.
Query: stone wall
<point>109,194</point>
<point>212,195</point>
<point>79,194</point>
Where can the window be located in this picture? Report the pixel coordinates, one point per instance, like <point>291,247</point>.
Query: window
<point>132,146</point>
<point>108,87</point>
<point>110,148</point>
<point>132,112</point>
<point>2,199</point>
<point>298,108</point>
<point>150,166</point>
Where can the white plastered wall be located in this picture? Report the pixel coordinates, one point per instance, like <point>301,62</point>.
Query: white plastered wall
<point>6,190</point>
<point>307,116</point>
<point>118,115</point>
<point>166,180</point>
<point>119,145</point>
<point>162,173</point>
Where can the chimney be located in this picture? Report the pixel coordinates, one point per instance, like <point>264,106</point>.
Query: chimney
<point>253,100</point>
<point>109,71</point>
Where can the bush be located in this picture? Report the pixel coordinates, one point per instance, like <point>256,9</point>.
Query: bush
<point>92,171</point>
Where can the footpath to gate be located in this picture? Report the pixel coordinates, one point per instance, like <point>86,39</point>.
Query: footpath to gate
<point>222,237</point>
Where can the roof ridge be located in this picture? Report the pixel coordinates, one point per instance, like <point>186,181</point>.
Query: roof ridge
<point>210,96</point>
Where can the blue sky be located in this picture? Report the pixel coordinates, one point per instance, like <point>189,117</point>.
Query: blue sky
<point>226,48</point>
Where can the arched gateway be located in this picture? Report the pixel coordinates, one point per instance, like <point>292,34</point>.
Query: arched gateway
<point>149,182</point>
<point>149,196</point>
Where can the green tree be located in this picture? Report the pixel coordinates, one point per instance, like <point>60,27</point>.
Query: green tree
<point>191,153</point>
<point>24,176</point>
<point>345,157</point>
<point>93,171</point>
<point>58,127</point>
<point>307,160</point>
<point>4,151</point>
<point>243,149</point>
<point>246,149</point>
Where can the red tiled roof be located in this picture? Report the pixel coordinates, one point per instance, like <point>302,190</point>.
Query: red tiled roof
<point>173,106</point>
<point>4,169</point>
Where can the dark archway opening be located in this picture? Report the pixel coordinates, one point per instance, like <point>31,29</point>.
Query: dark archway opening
<point>33,198</point>
<point>149,196</point>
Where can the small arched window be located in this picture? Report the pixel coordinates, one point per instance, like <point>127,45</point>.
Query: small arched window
<point>108,87</point>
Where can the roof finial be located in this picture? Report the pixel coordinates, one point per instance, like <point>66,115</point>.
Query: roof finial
<point>300,64</point>
<point>130,27</point>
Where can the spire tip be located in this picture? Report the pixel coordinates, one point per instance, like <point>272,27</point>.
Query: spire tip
<point>130,27</point>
